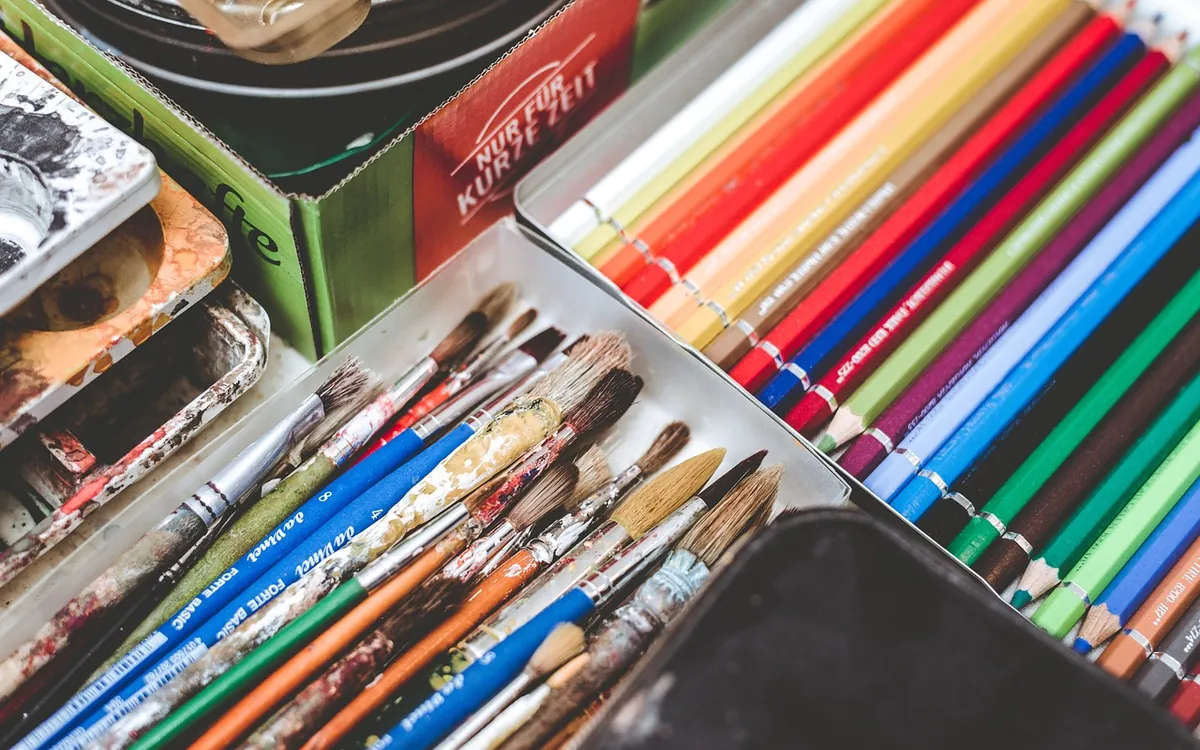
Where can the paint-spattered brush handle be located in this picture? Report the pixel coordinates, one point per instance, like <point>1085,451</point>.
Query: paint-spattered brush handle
<point>462,696</point>
<point>245,674</point>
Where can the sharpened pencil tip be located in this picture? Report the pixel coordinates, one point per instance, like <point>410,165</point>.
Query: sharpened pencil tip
<point>827,444</point>
<point>1021,598</point>
<point>1082,646</point>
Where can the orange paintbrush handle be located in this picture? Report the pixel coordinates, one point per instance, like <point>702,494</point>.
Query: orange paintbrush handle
<point>276,688</point>
<point>481,602</point>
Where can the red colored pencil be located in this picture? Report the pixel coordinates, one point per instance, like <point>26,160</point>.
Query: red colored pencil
<point>699,218</point>
<point>819,404</point>
<point>762,362</point>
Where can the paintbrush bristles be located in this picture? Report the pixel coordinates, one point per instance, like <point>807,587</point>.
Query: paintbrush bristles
<point>550,491</point>
<point>495,304</point>
<point>542,343</point>
<point>657,498</point>
<point>464,336</point>
<point>521,322</point>
<point>738,512</point>
<point>564,642</point>
<point>669,442</point>
<point>346,384</point>
<point>589,361</point>
<point>483,492</point>
<point>424,607</point>
<point>594,473</point>
<point>611,398</point>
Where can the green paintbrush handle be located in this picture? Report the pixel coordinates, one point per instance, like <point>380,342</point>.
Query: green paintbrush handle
<point>248,672</point>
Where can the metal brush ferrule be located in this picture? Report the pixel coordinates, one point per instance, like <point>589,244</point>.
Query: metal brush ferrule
<point>472,560</point>
<point>478,362</point>
<point>565,575</point>
<point>526,383</point>
<point>252,464</point>
<point>622,567</point>
<point>665,594</point>
<point>513,367</point>
<point>504,552</point>
<point>407,550</point>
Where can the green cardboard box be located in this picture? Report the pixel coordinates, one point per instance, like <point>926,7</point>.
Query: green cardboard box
<point>324,265</point>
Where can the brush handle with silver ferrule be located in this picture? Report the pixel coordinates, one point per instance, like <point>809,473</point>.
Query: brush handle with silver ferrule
<point>490,710</point>
<point>471,561</point>
<point>510,370</point>
<point>565,532</point>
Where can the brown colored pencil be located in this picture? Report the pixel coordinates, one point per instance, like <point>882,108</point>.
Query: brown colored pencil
<point>1008,556</point>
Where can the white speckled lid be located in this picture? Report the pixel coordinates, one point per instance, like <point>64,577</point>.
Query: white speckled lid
<point>67,178</point>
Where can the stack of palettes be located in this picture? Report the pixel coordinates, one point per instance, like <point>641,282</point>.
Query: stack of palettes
<point>99,252</point>
<point>954,243</point>
<point>447,560</point>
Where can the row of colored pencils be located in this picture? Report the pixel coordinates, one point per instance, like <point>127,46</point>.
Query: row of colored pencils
<point>417,563</point>
<point>954,243</point>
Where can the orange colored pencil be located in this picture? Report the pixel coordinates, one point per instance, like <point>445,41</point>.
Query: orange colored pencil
<point>479,603</point>
<point>792,129</point>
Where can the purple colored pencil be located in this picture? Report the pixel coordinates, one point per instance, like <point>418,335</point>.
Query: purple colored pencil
<point>903,414</point>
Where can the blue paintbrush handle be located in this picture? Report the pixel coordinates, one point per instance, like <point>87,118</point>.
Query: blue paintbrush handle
<point>306,555</point>
<point>477,684</point>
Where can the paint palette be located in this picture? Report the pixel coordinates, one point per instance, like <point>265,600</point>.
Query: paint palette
<point>110,299</point>
<point>67,179</point>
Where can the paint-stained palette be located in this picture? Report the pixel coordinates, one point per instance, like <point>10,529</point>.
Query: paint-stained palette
<point>67,178</point>
<point>112,298</point>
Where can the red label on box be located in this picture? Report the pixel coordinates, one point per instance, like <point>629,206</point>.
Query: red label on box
<point>469,155</point>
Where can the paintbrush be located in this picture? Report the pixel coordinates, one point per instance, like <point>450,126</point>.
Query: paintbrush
<point>633,519</point>
<point>525,707</point>
<point>639,514</point>
<point>531,418</point>
<point>292,724</point>
<point>160,547</point>
<point>635,624</point>
<point>563,644</point>
<point>304,482</point>
<point>458,379</point>
<point>318,525</point>
<point>451,468</point>
<point>437,716</point>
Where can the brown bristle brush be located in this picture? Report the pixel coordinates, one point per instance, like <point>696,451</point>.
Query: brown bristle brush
<point>634,625</point>
<point>590,359</point>
<point>594,473</point>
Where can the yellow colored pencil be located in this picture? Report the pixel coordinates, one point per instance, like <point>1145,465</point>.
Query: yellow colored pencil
<point>819,196</point>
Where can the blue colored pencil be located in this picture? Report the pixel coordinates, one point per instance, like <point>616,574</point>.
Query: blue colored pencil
<point>849,324</point>
<point>1051,305</point>
<point>1144,571</point>
<point>1007,400</point>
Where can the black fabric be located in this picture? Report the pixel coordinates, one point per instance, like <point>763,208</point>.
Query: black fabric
<point>832,630</point>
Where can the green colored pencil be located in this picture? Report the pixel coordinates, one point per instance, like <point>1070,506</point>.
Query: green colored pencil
<point>1020,488</point>
<point>1097,511</point>
<point>978,289</point>
<point>1105,558</point>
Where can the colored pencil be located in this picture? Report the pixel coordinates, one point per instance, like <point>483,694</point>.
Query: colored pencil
<point>1113,548</point>
<point>1162,673</point>
<point>1034,370</point>
<point>1095,513</point>
<point>814,199</point>
<point>747,168</point>
<point>1078,187</point>
<point>1082,449</point>
<point>944,419</point>
<point>801,40</point>
<point>927,294</point>
<point>842,177</point>
<point>1157,615</point>
<point>936,381</point>
<point>633,518</point>
<point>1142,573</point>
<point>865,283</point>
<point>766,311</point>
<point>1185,704</point>
<point>160,547</point>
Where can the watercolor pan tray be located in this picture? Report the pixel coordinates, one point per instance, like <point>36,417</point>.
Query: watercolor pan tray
<point>108,301</point>
<point>128,422</point>
<point>678,386</point>
<point>67,178</point>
